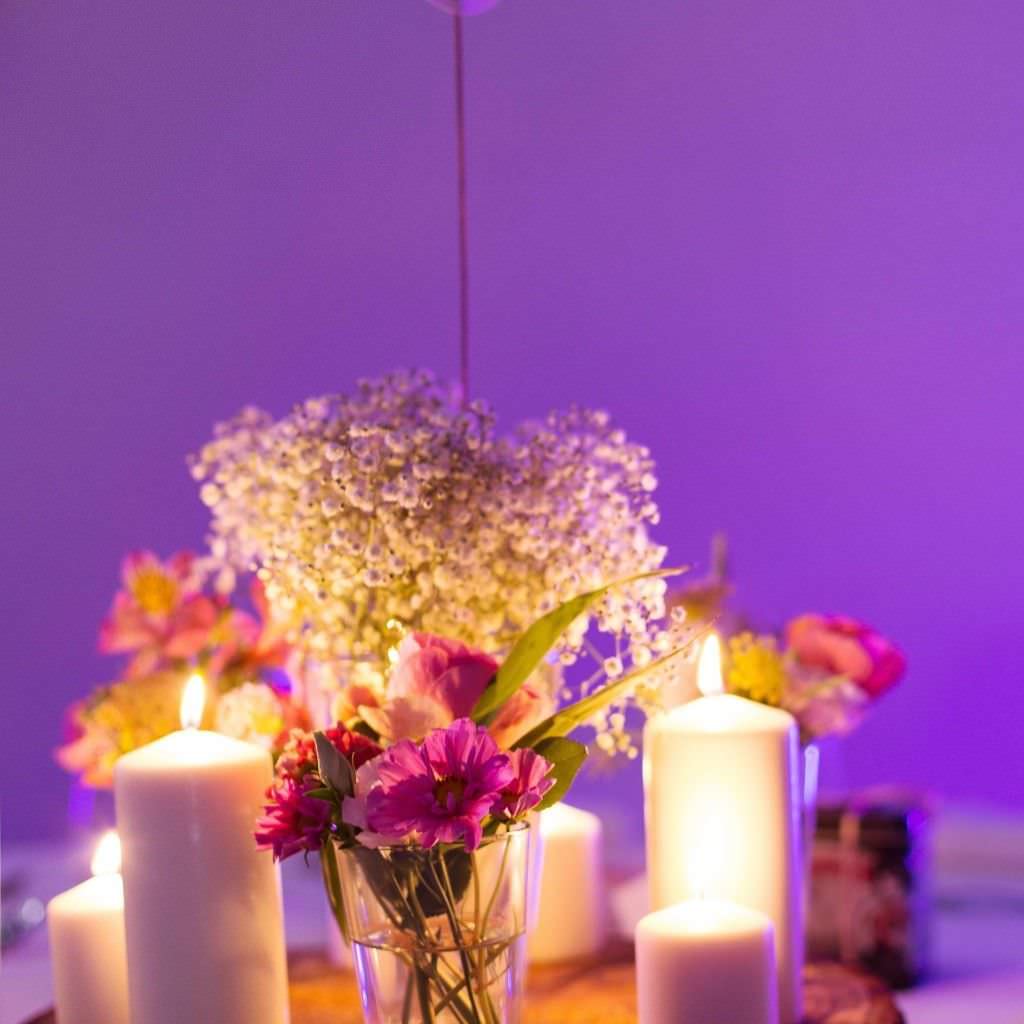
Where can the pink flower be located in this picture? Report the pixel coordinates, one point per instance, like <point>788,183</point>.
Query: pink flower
<point>440,790</point>
<point>160,613</point>
<point>531,780</point>
<point>298,756</point>
<point>845,647</point>
<point>247,645</point>
<point>437,681</point>
<point>824,704</point>
<point>88,751</point>
<point>293,821</point>
<point>445,671</point>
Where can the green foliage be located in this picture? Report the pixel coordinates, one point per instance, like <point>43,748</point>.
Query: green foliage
<point>334,770</point>
<point>562,722</point>
<point>530,649</point>
<point>566,757</point>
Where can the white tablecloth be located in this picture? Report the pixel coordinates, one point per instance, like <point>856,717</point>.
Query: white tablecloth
<point>978,975</point>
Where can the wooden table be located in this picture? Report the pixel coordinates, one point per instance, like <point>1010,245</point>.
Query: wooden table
<point>601,991</point>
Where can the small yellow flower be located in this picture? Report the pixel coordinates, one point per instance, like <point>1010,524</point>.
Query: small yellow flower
<point>756,669</point>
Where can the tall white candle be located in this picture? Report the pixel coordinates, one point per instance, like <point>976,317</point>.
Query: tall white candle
<point>205,934</point>
<point>706,962</point>
<point>723,813</point>
<point>86,926</point>
<point>571,913</point>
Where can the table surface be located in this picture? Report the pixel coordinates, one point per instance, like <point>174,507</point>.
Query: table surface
<point>602,989</point>
<point>978,953</point>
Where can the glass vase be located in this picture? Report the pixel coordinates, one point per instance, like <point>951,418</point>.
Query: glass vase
<point>438,935</point>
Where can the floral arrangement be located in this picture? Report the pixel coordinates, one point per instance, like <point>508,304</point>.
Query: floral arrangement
<point>827,670</point>
<point>169,619</point>
<point>396,509</point>
<point>403,800</point>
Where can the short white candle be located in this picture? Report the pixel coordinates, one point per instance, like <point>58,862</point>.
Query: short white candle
<point>706,962</point>
<point>86,926</point>
<point>723,813</point>
<point>571,915</point>
<point>204,925</point>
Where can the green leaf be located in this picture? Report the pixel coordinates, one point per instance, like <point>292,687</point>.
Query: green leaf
<point>566,757</point>
<point>562,722</point>
<point>323,793</point>
<point>529,650</point>
<point>335,770</point>
<point>332,884</point>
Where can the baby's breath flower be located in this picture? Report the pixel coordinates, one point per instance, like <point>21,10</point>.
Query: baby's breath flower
<point>393,508</point>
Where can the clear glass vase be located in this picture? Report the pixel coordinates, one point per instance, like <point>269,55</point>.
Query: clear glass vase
<point>438,935</point>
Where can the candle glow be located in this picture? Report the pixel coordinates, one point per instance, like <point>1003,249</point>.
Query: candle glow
<point>106,859</point>
<point>193,700</point>
<point>709,668</point>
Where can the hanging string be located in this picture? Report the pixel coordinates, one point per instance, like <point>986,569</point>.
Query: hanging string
<point>460,142</point>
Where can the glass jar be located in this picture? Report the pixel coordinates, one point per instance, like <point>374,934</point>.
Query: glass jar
<point>438,935</point>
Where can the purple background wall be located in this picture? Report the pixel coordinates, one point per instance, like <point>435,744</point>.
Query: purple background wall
<point>782,242</point>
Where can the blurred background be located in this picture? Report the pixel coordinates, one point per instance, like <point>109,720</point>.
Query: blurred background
<point>780,243</point>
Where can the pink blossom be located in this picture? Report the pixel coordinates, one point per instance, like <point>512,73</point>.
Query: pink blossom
<point>87,751</point>
<point>293,822</point>
<point>354,808</point>
<point>440,790</point>
<point>298,756</point>
<point>160,612</point>
<point>823,704</point>
<point>845,647</point>
<point>531,780</point>
<point>445,671</point>
<point>246,645</point>
<point>437,680</point>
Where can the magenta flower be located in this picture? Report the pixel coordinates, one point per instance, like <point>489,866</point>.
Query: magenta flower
<point>843,646</point>
<point>440,790</point>
<point>293,822</point>
<point>531,780</point>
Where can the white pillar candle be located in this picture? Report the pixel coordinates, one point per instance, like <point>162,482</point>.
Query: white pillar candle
<point>570,921</point>
<point>706,962</point>
<point>723,813</point>
<point>86,926</point>
<point>204,925</point>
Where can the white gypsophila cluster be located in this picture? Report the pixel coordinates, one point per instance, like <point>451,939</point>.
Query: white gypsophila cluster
<point>392,508</point>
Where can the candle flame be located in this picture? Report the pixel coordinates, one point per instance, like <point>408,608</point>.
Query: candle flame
<point>709,668</point>
<point>193,700</point>
<point>106,860</point>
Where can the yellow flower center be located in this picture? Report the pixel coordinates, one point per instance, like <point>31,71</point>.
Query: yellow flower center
<point>154,591</point>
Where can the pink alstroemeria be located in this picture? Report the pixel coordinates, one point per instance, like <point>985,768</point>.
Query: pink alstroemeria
<point>440,790</point>
<point>160,613</point>
<point>437,681</point>
<point>246,645</point>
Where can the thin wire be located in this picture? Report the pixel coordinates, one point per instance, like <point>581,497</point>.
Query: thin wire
<point>460,141</point>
